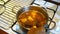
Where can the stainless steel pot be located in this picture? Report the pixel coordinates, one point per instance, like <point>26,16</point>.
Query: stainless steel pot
<point>37,8</point>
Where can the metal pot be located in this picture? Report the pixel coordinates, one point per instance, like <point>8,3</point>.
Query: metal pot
<point>37,8</point>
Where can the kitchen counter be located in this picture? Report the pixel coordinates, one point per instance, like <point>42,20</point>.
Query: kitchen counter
<point>3,32</point>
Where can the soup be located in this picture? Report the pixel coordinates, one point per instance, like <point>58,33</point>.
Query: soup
<point>32,19</point>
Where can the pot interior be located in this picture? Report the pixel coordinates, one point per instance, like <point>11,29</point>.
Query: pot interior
<point>30,9</point>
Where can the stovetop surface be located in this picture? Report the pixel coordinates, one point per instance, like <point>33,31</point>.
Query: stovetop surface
<point>8,16</point>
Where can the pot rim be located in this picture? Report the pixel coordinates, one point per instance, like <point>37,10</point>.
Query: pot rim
<point>18,13</point>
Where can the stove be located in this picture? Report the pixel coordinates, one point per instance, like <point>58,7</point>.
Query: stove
<point>8,15</point>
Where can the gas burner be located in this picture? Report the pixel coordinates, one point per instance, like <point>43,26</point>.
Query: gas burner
<point>2,6</point>
<point>2,9</point>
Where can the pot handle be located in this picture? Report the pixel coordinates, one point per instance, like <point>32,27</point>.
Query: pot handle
<point>47,26</point>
